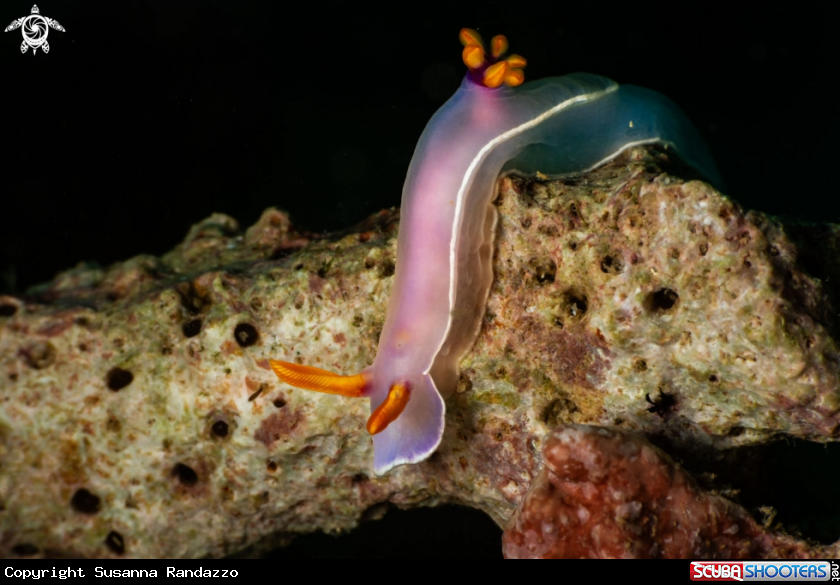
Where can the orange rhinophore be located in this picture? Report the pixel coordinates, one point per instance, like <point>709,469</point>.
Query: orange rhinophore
<point>390,409</point>
<point>310,378</point>
<point>494,71</point>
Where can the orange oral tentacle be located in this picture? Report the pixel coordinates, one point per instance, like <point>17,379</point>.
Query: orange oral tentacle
<point>498,46</point>
<point>310,378</point>
<point>495,75</point>
<point>390,409</point>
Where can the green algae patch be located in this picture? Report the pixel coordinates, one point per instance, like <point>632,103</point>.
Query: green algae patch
<point>506,399</point>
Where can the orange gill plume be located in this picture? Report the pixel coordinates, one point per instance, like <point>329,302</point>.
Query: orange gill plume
<point>495,71</point>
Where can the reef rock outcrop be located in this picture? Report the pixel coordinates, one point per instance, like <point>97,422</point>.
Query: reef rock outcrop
<point>140,418</point>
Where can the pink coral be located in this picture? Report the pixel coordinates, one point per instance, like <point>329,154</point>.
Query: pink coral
<point>607,493</point>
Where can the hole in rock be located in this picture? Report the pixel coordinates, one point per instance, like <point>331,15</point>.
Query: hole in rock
<point>85,502</point>
<point>191,328</point>
<point>387,269</point>
<point>571,308</point>
<point>245,334</point>
<point>118,378</point>
<point>220,428</point>
<point>543,269</point>
<point>115,542</point>
<point>185,474</point>
<point>612,264</point>
<point>661,300</point>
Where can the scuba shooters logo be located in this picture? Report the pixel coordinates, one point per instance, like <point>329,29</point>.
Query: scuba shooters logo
<point>764,571</point>
<point>35,29</point>
<point>717,571</point>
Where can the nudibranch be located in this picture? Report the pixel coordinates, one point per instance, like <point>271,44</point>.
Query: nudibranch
<point>493,125</point>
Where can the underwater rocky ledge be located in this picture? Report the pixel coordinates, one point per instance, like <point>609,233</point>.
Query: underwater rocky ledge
<point>635,318</point>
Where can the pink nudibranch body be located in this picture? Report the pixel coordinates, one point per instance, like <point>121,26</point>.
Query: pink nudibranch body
<point>557,126</point>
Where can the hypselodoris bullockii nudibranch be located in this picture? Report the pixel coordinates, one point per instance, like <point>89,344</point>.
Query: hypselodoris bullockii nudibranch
<point>493,125</point>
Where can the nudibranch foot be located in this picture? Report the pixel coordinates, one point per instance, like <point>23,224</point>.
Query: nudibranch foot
<point>310,378</point>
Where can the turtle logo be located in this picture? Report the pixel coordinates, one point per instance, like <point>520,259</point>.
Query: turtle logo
<point>35,29</point>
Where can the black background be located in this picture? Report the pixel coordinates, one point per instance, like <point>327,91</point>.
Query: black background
<point>146,117</point>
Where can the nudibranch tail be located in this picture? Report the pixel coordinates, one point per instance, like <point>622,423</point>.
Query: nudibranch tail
<point>390,409</point>
<point>310,378</point>
<point>494,72</point>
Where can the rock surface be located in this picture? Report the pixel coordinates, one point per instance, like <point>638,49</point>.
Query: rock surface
<point>139,416</point>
